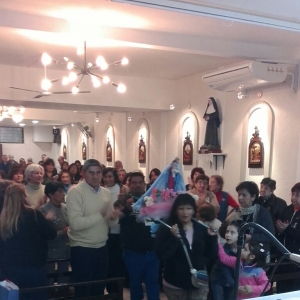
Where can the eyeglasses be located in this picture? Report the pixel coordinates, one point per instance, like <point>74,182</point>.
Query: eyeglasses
<point>202,182</point>
<point>295,195</point>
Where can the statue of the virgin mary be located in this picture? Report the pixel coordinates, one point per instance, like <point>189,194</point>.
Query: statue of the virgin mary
<point>211,115</point>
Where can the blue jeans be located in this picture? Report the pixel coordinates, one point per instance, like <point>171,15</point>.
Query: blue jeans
<point>89,264</point>
<point>221,292</point>
<point>142,267</point>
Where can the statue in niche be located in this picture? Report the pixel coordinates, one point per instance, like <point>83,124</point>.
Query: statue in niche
<point>108,151</point>
<point>187,150</point>
<point>83,150</point>
<point>142,151</point>
<point>211,116</point>
<point>65,151</point>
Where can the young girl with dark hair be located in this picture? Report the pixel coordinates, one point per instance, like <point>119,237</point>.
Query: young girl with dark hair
<point>201,246</point>
<point>253,278</point>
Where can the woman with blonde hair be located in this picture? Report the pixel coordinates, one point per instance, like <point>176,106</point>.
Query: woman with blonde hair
<point>34,176</point>
<point>24,232</point>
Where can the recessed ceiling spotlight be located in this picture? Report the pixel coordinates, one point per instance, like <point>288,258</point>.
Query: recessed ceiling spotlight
<point>54,127</point>
<point>34,121</point>
<point>74,111</point>
<point>172,106</point>
<point>129,119</point>
<point>97,120</point>
<point>21,124</point>
<point>72,125</point>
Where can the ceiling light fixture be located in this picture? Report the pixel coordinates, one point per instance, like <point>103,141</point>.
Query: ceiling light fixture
<point>16,113</point>
<point>172,106</point>
<point>21,124</point>
<point>87,69</point>
<point>97,118</point>
<point>34,121</point>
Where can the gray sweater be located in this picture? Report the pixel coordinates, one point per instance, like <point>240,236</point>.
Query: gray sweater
<point>59,247</point>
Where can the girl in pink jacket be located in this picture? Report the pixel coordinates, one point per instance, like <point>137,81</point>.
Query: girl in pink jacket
<point>253,278</point>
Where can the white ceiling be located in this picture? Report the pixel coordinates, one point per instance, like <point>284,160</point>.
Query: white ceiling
<point>181,39</point>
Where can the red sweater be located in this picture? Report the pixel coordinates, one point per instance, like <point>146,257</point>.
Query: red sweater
<point>230,200</point>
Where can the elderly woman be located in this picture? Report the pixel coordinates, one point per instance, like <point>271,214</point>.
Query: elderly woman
<point>16,173</point>
<point>288,227</point>
<point>202,195</point>
<point>194,174</point>
<point>34,175</point>
<point>23,242</point>
<point>249,211</point>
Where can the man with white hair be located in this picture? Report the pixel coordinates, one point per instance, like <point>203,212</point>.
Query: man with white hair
<point>11,159</point>
<point>118,165</point>
<point>60,160</point>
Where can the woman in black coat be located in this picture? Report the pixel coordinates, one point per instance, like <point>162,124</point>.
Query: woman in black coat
<point>201,247</point>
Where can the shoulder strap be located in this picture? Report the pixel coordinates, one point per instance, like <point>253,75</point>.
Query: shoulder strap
<point>186,253</point>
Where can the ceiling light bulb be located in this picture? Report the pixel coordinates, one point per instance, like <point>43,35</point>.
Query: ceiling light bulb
<point>121,88</point>
<point>99,60</point>
<point>80,50</point>
<point>34,121</point>
<point>66,58</point>
<point>72,76</point>
<point>70,65</point>
<point>22,109</point>
<point>75,89</point>
<point>129,119</point>
<point>46,59</point>
<point>240,95</point>
<point>65,80</point>
<point>96,83</point>
<point>104,66</point>
<point>105,79</point>
<point>17,117</point>
<point>11,109</point>
<point>124,61</point>
<point>1,117</point>
<point>97,120</point>
<point>72,125</point>
<point>22,124</point>
<point>46,84</point>
<point>89,65</point>
<point>172,106</point>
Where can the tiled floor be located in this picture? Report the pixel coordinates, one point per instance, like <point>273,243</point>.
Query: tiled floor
<point>126,295</point>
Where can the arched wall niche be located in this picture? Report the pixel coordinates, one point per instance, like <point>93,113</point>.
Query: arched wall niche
<point>188,123</point>
<point>261,115</point>
<point>143,130</point>
<point>65,141</point>
<point>110,134</point>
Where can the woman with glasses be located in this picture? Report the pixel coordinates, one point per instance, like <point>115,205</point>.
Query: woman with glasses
<point>289,234</point>
<point>202,194</point>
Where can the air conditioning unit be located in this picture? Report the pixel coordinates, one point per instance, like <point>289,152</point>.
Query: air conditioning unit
<point>245,75</point>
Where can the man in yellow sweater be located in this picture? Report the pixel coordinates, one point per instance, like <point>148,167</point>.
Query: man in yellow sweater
<point>91,214</point>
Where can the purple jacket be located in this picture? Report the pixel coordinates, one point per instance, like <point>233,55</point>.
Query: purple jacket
<point>250,275</point>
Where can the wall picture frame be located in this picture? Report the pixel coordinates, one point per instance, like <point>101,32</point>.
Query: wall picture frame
<point>108,151</point>
<point>142,151</point>
<point>188,150</point>
<point>255,151</point>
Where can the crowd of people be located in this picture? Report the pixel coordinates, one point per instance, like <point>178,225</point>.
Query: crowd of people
<point>83,214</point>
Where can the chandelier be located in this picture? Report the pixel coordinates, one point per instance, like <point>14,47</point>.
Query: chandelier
<point>16,113</point>
<point>77,71</point>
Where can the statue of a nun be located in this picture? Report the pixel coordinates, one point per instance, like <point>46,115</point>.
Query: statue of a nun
<point>211,143</point>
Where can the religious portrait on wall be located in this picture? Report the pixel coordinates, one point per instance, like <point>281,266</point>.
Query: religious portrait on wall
<point>142,151</point>
<point>65,151</point>
<point>83,150</point>
<point>108,151</point>
<point>187,150</point>
<point>212,118</point>
<point>255,151</point>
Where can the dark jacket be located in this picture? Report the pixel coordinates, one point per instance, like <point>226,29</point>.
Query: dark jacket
<point>28,246</point>
<point>169,249</point>
<point>290,237</point>
<point>134,234</point>
<point>274,205</point>
<point>263,218</point>
<point>221,274</point>
<point>5,167</point>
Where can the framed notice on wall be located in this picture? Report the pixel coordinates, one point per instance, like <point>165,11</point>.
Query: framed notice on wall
<point>255,151</point>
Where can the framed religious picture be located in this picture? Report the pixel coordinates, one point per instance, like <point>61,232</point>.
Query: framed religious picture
<point>65,151</point>
<point>187,150</point>
<point>83,151</point>
<point>108,151</point>
<point>255,151</point>
<point>142,151</point>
